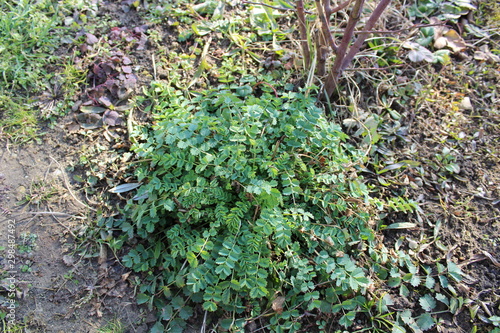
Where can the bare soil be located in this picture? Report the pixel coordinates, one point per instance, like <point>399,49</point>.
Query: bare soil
<point>62,286</point>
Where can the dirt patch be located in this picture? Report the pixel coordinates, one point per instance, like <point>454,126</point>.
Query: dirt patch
<point>452,133</point>
<point>58,288</point>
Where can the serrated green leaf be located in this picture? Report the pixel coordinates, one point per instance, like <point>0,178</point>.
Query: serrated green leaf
<point>442,298</point>
<point>443,281</point>
<point>385,302</point>
<point>425,321</point>
<point>209,306</point>
<point>406,317</point>
<point>415,280</point>
<point>454,271</point>
<point>404,291</point>
<point>157,328</point>
<point>347,319</point>
<point>430,282</point>
<point>393,282</point>
<point>427,302</point>
<point>226,323</point>
<point>192,259</point>
<point>186,312</point>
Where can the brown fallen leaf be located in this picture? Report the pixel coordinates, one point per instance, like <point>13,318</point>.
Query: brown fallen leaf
<point>278,304</point>
<point>112,118</point>
<point>103,254</point>
<point>125,276</point>
<point>91,39</point>
<point>484,54</point>
<point>68,260</point>
<point>446,37</point>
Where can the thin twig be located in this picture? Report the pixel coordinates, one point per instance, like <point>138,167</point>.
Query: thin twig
<point>333,77</point>
<point>379,69</point>
<point>325,26</point>
<point>329,11</point>
<point>65,227</point>
<point>303,32</point>
<point>415,26</point>
<point>273,7</point>
<point>59,214</point>
<point>66,183</point>
<point>154,66</point>
<point>203,326</point>
<point>356,46</point>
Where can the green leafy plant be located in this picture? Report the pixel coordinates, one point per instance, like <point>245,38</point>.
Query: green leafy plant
<point>25,41</point>
<point>30,32</point>
<point>27,242</point>
<point>114,326</point>
<point>246,198</point>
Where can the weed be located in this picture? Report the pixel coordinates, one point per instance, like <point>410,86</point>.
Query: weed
<point>244,199</point>
<point>27,242</point>
<point>12,328</point>
<point>39,193</point>
<point>25,41</point>
<point>17,119</point>
<point>29,33</point>
<point>114,326</point>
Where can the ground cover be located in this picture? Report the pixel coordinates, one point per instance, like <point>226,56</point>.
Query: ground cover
<point>417,112</point>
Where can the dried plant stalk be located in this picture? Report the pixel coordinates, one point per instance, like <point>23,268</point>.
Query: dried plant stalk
<point>333,76</point>
<point>370,24</point>
<point>303,32</point>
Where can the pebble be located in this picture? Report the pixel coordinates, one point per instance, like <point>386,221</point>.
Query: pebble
<point>21,190</point>
<point>466,104</point>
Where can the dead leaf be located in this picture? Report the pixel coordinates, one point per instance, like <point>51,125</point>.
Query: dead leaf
<point>125,276</point>
<point>446,37</point>
<point>68,260</point>
<point>278,304</point>
<point>112,118</point>
<point>126,61</point>
<point>454,41</point>
<point>466,104</point>
<point>484,54</point>
<point>91,39</point>
<point>73,127</point>
<point>103,254</point>
<point>88,119</point>
<point>104,100</point>
<point>418,53</point>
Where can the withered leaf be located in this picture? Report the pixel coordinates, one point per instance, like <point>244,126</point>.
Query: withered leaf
<point>112,118</point>
<point>446,37</point>
<point>68,260</point>
<point>105,101</point>
<point>278,304</point>
<point>92,109</point>
<point>91,39</point>
<point>484,54</point>
<point>127,69</point>
<point>126,61</point>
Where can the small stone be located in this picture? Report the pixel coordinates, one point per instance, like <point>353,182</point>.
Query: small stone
<point>466,104</point>
<point>68,260</point>
<point>21,191</point>
<point>57,173</point>
<point>413,245</point>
